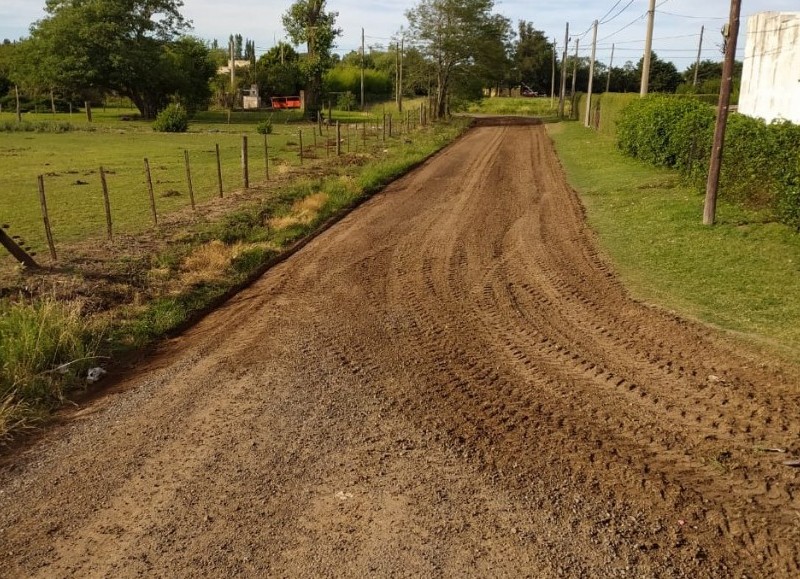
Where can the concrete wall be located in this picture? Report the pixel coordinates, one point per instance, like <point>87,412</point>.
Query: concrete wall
<point>771,75</point>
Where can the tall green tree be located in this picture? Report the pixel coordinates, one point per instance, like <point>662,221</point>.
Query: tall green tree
<point>127,46</point>
<point>278,72</point>
<point>454,33</point>
<point>307,22</point>
<point>664,77</point>
<point>533,56</point>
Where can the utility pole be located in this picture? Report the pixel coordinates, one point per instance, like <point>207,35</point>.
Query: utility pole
<point>553,78</point>
<point>397,74</point>
<point>731,32</point>
<point>563,75</point>
<point>575,65</point>
<point>610,66</point>
<point>362,69</point>
<point>400,91</point>
<point>699,50</point>
<point>648,47</point>
<point>591,75</point>
<point>233,64</point>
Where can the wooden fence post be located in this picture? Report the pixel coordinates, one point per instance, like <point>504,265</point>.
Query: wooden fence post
<point>390,126</point>
<point>19,108</point>
<point>106,203</point>
<point>219,172</point>
<point>15,250</point>
<point>245,165</point>
<point>189,177</point>
<point>384,127</point>
<point>46,219</point>
<point>266,157</point>
<point>338,139</point>
<point>300,134</point>
<point>364,133</point>
<point>88,107</point>
<point>150,190</point>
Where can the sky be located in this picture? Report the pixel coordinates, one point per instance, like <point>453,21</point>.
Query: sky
<point>676,31</point>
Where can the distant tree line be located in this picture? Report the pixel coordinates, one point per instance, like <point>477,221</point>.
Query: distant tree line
<point>141,49</point>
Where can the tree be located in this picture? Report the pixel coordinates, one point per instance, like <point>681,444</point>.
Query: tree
<point>307,22</point>
<point>454,32</point>
<point>127,46</point>
<point>278,72</point>
<point>664,77</point>
<point>709,77</point>
<point>533,57</point>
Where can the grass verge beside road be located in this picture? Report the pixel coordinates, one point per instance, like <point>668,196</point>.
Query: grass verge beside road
<point>741,275</point>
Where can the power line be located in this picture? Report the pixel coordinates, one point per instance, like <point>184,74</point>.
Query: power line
<point>690,16</point>
<point>624,8</point>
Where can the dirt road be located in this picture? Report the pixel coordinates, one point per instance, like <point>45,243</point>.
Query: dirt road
<point>449,382</point>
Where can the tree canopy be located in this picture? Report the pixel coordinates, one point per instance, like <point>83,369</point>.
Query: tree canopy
<point>459,37</point>
<point>307,21</point>
<point>133,47</point>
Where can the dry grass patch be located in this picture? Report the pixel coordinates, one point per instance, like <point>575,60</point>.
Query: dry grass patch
<point>304,211</point>
<point>209,263</point>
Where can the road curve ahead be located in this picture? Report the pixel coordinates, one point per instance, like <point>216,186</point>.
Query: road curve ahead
<point>449,382</point>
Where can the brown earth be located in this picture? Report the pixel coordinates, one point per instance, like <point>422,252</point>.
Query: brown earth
<point>450,382</point>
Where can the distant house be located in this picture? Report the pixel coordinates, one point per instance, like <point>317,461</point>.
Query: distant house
<point>771,72</point>
<point>238,63</point>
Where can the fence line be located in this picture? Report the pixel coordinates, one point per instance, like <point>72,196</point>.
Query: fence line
<point>370,128</point>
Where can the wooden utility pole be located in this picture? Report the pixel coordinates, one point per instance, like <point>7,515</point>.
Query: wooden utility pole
<point>591,75</point>
<point>362,70</point>
<point>699,50</point>
<point>575,65</point>
<point>648,47</point>
<point>563,75</point>
<point>731,32</point>
<point>233,67</point>
<point>400,89</point>
<point>553,78</point>
<point>610,66</point>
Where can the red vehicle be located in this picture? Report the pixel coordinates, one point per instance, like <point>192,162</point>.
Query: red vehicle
<point>290,102</point>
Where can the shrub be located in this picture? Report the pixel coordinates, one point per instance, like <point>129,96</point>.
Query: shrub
<point>761,162</point>
<point>264,127</point>
<point>173,119</point>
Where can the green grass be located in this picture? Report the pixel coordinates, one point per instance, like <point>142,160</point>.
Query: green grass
<point>535,107</point>
<point>70,163</point>
<point>741,274</point>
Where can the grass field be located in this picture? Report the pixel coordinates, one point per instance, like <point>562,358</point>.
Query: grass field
<point>70,162</point>
<point>741,274</point>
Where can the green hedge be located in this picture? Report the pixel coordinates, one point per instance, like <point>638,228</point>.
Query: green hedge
<point>761,162</point>
<point>605,109</point>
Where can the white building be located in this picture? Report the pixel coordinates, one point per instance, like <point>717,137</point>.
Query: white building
<point>771,74</point>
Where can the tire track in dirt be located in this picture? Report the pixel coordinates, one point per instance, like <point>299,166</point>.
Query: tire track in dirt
<point>451,381</point>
